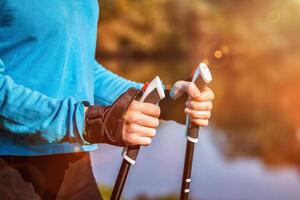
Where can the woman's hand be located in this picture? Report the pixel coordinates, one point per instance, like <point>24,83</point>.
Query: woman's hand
<point>199,105</point>
<point>141,121</point>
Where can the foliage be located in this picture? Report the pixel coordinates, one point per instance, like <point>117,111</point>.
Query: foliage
<point>253,50</point>
<point>107,190</point>
<point>166,197</point>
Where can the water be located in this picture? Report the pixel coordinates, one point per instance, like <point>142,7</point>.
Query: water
<point>159,169</point>
<point>256,110</point>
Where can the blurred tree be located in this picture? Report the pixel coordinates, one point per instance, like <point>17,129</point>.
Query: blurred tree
<point>253,48</point>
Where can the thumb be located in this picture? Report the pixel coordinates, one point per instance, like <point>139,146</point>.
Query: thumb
<point>181,87</point>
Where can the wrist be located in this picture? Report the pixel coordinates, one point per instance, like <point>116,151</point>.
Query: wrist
<point>105,124</point>
<point>84,115</point>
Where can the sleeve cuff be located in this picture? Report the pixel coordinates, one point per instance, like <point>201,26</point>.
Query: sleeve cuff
<point>79,122</point>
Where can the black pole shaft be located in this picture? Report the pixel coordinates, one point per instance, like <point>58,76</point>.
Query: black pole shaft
<point>132,151</point>
<point>201,79</point>
<point>121,179</point>
<point>188,164</point>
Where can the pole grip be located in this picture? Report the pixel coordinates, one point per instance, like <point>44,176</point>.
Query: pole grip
<point>201,77</point>
<point>154,93</point>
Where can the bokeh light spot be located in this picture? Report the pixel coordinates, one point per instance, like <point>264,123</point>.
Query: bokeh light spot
<point>218,54</point>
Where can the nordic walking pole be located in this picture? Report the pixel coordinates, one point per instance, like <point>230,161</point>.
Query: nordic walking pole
<point>154,93</point>
<point>201,78</point>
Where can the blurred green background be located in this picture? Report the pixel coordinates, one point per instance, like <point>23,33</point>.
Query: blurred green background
<point>252,48</point>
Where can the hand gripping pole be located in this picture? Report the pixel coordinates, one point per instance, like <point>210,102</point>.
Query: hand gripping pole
<point>154,93</point>
<point>202,77</point>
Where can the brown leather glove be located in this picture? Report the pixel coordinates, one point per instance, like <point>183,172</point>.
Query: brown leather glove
<point>174,109</point>
<point>104,124</point>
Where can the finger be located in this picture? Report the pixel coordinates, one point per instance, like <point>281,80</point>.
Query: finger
<point>137,117</point>
<point>200,122</point>
<point>205,95</point>
<point>177,90</point>
<point>131,114</point>
<point>201,106</point>
<point>144,141</point>
<point>137,140</point>
<point>141,130</point>
<point>196,114</point>
<point>191,89</point>
<point>147,121</point>
<point>150,109</point>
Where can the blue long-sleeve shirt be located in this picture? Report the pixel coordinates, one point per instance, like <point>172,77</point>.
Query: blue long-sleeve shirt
<point>47,69</point>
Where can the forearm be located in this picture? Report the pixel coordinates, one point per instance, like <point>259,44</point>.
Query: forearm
<point>109,86</point>
<point>104,124</point>
<point>27,112</point>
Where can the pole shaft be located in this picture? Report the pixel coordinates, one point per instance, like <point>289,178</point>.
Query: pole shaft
<point>120,182</point>
<point>186,178</point>
<point>202,77</point>
<point>153,94</point>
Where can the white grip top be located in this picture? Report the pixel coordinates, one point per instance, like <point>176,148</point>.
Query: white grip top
<point>203,71</point>
<point>155,84</point>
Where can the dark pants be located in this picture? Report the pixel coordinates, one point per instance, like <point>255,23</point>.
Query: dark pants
<point>63,176</point>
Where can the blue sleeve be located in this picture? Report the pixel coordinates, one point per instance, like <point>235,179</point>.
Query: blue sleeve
<point>27,112</point>
<point>109,86</point>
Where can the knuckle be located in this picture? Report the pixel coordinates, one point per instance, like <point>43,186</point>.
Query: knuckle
<point>132,117</point>
<point>152,132</point>
<point>132,127</point>
<point>148,141</point>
